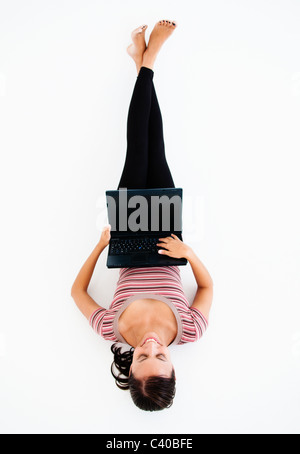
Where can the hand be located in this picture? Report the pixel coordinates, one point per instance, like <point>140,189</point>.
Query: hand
<point>105,236</point>
<point>174,247</point>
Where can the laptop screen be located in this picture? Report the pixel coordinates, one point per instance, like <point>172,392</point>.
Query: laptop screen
<point>136,211</point>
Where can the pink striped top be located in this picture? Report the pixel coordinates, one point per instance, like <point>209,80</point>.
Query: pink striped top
<point>161,283</point>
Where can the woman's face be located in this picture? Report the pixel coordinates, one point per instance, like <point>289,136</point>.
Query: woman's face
<point>151,357</point>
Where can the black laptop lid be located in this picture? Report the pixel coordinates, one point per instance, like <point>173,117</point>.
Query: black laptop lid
<point>144,211</point>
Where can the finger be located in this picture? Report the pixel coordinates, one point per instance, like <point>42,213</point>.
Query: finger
<point>174,236</point>
<point>164,246</point>
<point>166,239</point>
<point>163,252</point>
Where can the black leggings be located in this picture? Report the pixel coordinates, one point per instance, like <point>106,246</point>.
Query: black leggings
<point>145,163</point>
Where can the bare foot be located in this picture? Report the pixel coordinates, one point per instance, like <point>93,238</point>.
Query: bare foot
<point>138,46</point>
<point>160,33</point>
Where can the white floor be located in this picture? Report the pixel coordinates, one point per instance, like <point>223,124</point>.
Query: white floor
<point>228,83</point>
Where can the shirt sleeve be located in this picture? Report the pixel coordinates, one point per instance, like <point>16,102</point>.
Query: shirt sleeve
<point>102,322</point>
<point>96,320</point>
<point>200,322</point>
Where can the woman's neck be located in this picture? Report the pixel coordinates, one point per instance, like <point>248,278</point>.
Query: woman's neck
<point>164,332</point>
<point>147,315</point>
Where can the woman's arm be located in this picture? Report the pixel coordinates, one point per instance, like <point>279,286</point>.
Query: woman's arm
<point>204,294</point>
<point>178,249</point>
<point>79,293</point>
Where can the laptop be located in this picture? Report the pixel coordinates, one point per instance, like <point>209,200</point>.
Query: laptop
<point>138,218</point>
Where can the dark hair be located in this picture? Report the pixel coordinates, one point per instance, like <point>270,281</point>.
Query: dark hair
<point>154,393</point>
<point>122,362</point>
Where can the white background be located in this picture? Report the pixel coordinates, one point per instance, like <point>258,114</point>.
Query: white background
<point>228,84</point>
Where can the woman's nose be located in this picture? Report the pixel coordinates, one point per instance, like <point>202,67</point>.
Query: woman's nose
<point>151,347</point>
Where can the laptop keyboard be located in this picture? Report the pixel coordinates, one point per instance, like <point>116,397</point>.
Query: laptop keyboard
<point>128,245</point>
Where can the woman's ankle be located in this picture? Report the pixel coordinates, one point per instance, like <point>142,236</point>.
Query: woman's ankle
<point>148,59</point>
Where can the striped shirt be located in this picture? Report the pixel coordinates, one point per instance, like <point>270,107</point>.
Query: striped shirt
<point>160,283</point>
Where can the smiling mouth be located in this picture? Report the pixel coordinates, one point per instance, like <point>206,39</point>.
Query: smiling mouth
<point>150,339</point>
